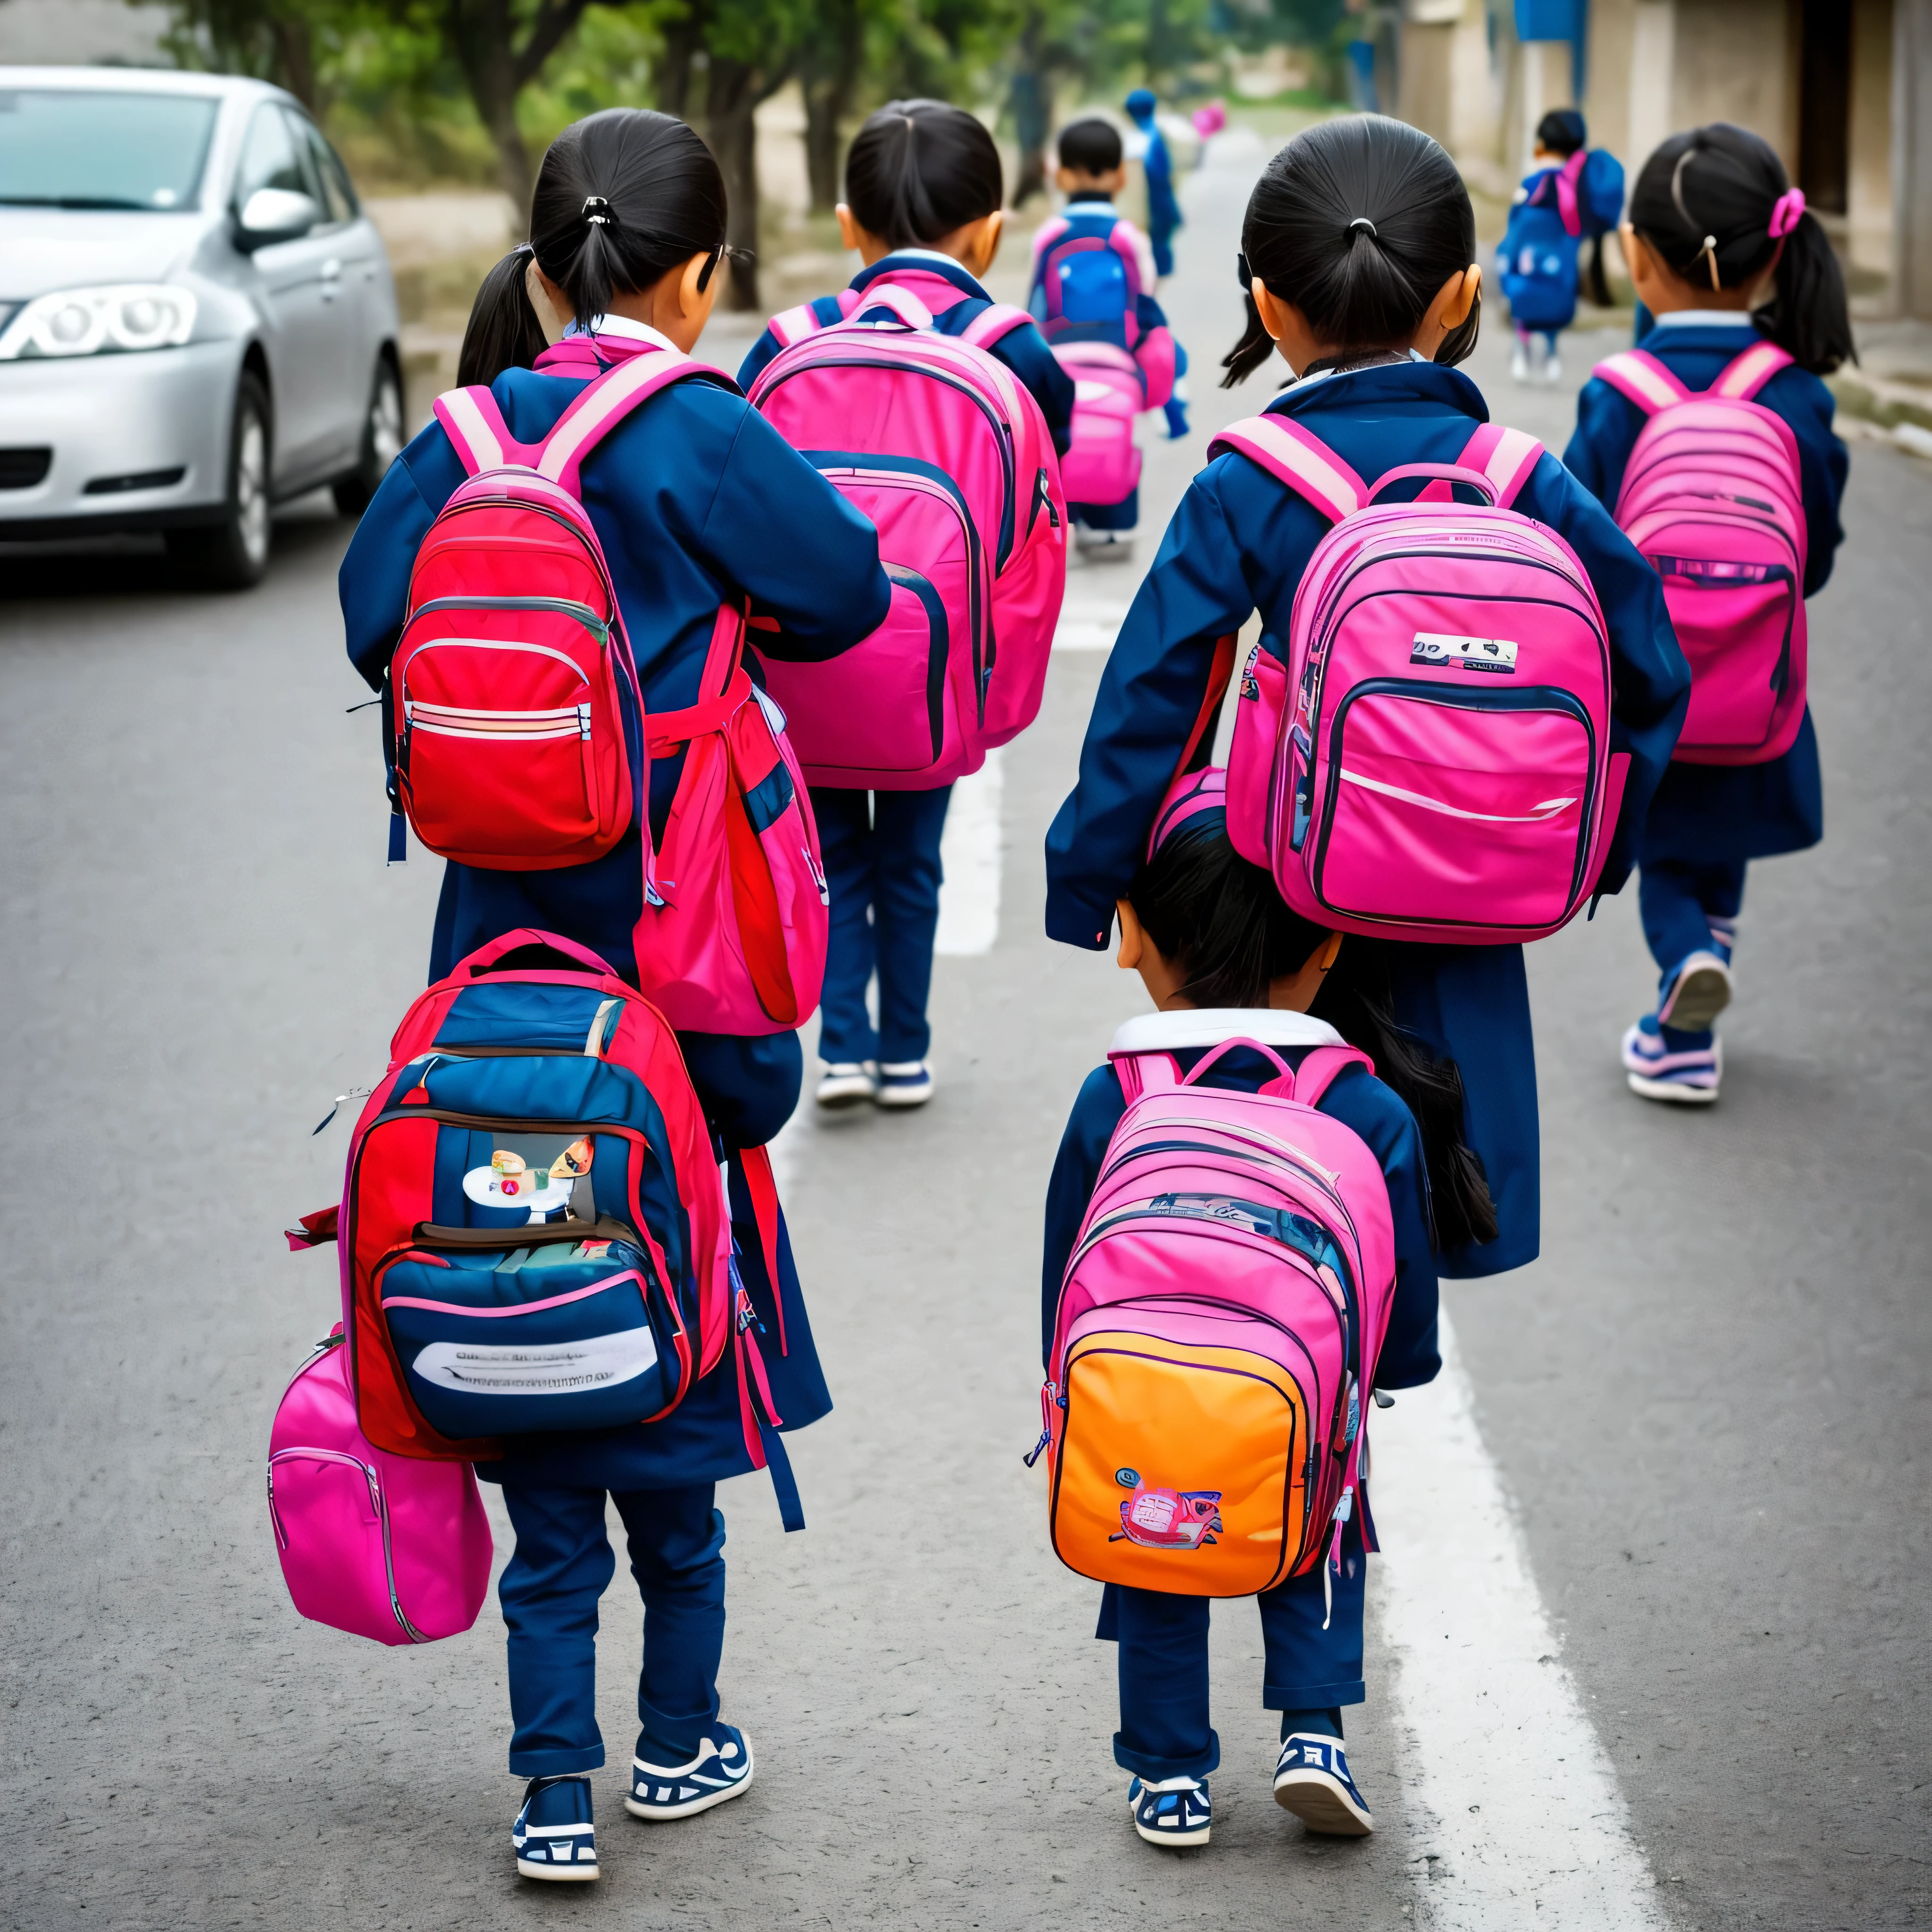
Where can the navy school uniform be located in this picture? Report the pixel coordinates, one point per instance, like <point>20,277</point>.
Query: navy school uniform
<point>695,499</point>
<point>1240,541</point>
<point>881,849</point>
<point>1707,821</point>
<point>1311,1673</point>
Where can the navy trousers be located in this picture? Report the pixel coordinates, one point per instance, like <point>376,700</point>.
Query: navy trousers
<point>1163,1639</point>
<point>1677,900</point>
<point>549,1592</point>
<point>882,864</point>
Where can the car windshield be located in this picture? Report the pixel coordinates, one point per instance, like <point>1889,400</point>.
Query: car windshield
<point>67,148</point>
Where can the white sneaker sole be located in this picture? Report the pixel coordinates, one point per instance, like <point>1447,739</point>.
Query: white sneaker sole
<point>902,1097</point>
<point>665,1814</point>
<point>1674,1092</point>
<point>557,1874</point>
<point>1322,1803</point>
<point>1698,997</point>
<point>838,1099</point>
<point>1171,1839</point>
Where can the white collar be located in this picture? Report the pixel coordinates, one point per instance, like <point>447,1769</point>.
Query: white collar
<point>1703,318</point>
<point>1209,1026</point>
<point>622,325</point>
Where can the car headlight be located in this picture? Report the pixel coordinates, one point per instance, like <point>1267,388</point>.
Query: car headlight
<point>102,321</point>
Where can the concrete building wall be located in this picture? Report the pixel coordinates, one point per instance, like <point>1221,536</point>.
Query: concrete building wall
<point>1734,60</point>
<point>1912,156</point>
<point>1868,212</point>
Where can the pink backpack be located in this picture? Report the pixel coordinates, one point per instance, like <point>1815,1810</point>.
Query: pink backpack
<point>380,1546</point>
<point>518,705</point>
<point>1103,465</point>
<point>1712,497</point>
<point>945,451</point>
<point>1432,762</point>
<point>1217,1332</point>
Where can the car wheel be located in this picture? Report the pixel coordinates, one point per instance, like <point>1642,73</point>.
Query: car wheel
<point>381,442</point>
<point>233,554</point>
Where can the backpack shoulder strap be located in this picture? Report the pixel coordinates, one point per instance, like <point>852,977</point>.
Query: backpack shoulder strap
<point>1291,455</point>
<point>995,320</point>
<point>1640,378</point>
<point>1319,1067</point>
<point>1047,233</point>
<point>1744,375</point>
<point>1505,456</point>
<point>1568,177</point>
<point>604,401</point>
<point>794,325</point>
<point>477,432</point>
<point>1141,1073</point>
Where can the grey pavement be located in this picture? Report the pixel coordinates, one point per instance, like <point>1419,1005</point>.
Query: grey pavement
<point>1708,1400</point>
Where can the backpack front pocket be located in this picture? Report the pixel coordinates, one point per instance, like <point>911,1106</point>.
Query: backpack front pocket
<point>1735,622</point>
<point>1454,808</point>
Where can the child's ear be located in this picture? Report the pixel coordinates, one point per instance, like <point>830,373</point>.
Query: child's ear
<point>1133,937</point>
<point>848,229</point>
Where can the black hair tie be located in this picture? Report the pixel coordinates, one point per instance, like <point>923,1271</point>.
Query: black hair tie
<point>597,211</point>
<point>1363,221</point>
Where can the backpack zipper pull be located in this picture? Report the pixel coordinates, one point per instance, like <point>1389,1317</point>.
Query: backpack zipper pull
<point>1046,1402</point>
<point>583,722</point>
<point>354,1094</point>
<point>1343,1510</point>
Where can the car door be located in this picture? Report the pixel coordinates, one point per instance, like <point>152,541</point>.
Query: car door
<point>360,282</point>
<point>297,282</point>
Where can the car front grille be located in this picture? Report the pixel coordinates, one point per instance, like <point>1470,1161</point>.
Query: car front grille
<point>22,469</point>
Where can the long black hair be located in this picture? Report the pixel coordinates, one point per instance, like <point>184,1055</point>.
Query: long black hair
<point>1708,197</point>
<point>1222,921</point>
<point>1357,222</point>
<point>503,330</point>
<point>918,170</point>
<point>622,197</point>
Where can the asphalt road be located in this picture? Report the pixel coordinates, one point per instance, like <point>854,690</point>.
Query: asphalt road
<point>1707,1401</point>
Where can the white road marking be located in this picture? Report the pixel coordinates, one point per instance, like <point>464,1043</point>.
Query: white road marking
<point>969,901</point>
<point>1517,1809</point>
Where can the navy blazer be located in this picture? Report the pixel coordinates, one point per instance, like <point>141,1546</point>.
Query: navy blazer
<point>1023,350</point>
<point>1240,541</point>
<point>1357,1098</point>
<point>1722,813</point>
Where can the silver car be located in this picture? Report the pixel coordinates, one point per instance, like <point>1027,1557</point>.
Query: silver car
<point>196,319</point>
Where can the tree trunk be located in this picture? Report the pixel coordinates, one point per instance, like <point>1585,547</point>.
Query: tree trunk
<point>479,36</point>
<point>682,40</point>
<point>829,70</point>
<point>294,55</point>
<point>732,95</point>
<point>1032,116</point>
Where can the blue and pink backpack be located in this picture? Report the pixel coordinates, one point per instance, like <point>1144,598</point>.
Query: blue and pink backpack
<point>1563,207</point>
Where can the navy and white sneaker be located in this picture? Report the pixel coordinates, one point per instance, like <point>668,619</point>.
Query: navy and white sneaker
<point>1678,1067</point>
<point>1695,993</point>
<point>721,1769</point>
<point>1311,1779</point>
<point>847,1083</point>
<point>553,1837</point>
<point>903,1083</point>
<point>1171,1811</point>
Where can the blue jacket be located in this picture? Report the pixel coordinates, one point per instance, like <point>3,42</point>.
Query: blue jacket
<point>1240,541</point>
<point>1706,813</point>
<point>1023,351</point>
<point>1357,1098</point>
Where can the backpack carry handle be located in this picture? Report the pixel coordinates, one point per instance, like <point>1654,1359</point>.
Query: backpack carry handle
<point>1444,473</point>
<point>902,302</point>
<point>474,965</point>
<point>1207,1060</point>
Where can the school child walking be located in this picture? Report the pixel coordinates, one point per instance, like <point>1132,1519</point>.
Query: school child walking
<point>697,503</point>
<point>1224,959</point>
<point>1163,210</point>
<point>1572,193</point>
<point>1360,271</point>
<point>1093,297</point>
<point>925,192</point>
<point>1748,303</point>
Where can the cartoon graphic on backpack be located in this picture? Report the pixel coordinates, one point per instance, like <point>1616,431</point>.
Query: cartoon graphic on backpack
<point>935,441</point>
<point>1218,1326</point>
<point>1431,761</point>
<point>1713,497</point>
<point>598,1298</point>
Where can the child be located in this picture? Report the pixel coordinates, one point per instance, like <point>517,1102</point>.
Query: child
<point>1722,254</point>
<point>1538,256</point>
<point>1360,265</point>
<point>1098,298</point>
<point>924,190</point>
<point>1223,958</point>
<point>1163,211</point>
<point>695,500</point>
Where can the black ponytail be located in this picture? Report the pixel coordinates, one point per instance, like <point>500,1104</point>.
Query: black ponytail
<point>918,170</point>
<point>1358,223</point>
<point>503,331</point>
<point>1221,919</point>
<point>622,199</point>
<point>1708,197</point>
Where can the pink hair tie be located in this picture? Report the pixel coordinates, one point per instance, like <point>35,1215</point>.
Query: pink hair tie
<point>1191,794</point>
<point>1786,213</point>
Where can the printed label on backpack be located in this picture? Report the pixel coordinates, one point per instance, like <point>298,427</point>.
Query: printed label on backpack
<point>1489,654</point>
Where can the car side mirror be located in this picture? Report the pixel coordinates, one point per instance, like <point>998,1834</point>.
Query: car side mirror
<point>274,214</point>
